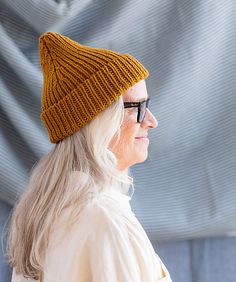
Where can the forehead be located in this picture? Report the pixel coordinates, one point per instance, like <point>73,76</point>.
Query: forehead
<point>136,93</point>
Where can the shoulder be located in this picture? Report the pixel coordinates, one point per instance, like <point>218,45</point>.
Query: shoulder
<point>100,222</point>
<point>106,209</point>
<point>100,213</point>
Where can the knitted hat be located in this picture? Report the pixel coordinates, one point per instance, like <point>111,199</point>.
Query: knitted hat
<point>80,82</point>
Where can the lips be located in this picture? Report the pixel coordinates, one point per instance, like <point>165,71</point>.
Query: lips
<point>142,137</point>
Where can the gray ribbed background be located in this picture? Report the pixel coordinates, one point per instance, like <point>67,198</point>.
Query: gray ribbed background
<point>186,188</point>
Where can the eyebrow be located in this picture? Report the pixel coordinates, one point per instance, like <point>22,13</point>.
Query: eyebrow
<point>140,100</point>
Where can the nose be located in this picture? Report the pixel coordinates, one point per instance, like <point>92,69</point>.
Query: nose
<point>149,120</point>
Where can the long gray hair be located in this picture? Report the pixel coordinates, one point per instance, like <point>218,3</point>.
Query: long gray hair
<point>50,190</point>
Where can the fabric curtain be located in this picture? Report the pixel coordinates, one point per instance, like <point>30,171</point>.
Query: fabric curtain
<point>186,188</point>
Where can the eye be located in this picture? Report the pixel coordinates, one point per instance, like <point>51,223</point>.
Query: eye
<point>129,110</point>
<point>133,110</point>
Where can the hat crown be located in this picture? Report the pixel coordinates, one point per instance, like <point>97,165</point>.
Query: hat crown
<point>66,63</point>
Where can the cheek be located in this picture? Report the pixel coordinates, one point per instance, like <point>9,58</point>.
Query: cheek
<point>128,133</point>
<point>132,150</point>
<point>129,150</point>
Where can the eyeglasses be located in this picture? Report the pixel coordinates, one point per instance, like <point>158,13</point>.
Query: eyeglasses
<point>142,107</point>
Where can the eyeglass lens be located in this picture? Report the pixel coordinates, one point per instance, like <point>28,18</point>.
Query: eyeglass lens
<point>143,107</point>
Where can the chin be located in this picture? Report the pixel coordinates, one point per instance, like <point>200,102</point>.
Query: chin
<point>136,158</point>
<point>142,158</point>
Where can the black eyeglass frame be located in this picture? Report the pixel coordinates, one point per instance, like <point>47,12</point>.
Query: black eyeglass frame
<point>137,105</point>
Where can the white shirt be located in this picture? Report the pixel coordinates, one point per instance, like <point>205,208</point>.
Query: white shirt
<point>107,244</point>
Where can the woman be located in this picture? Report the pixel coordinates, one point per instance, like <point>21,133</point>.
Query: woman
<point>74,222</point>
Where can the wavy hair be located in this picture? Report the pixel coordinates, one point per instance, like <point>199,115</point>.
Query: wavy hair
<point>50,191</point>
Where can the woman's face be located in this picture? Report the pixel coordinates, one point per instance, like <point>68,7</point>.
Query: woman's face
<point>132,147</point>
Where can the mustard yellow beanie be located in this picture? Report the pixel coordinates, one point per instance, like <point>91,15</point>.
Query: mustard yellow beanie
<point>80,81</point>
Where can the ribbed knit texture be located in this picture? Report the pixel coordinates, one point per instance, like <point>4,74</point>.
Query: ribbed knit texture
<point>81,81</point>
